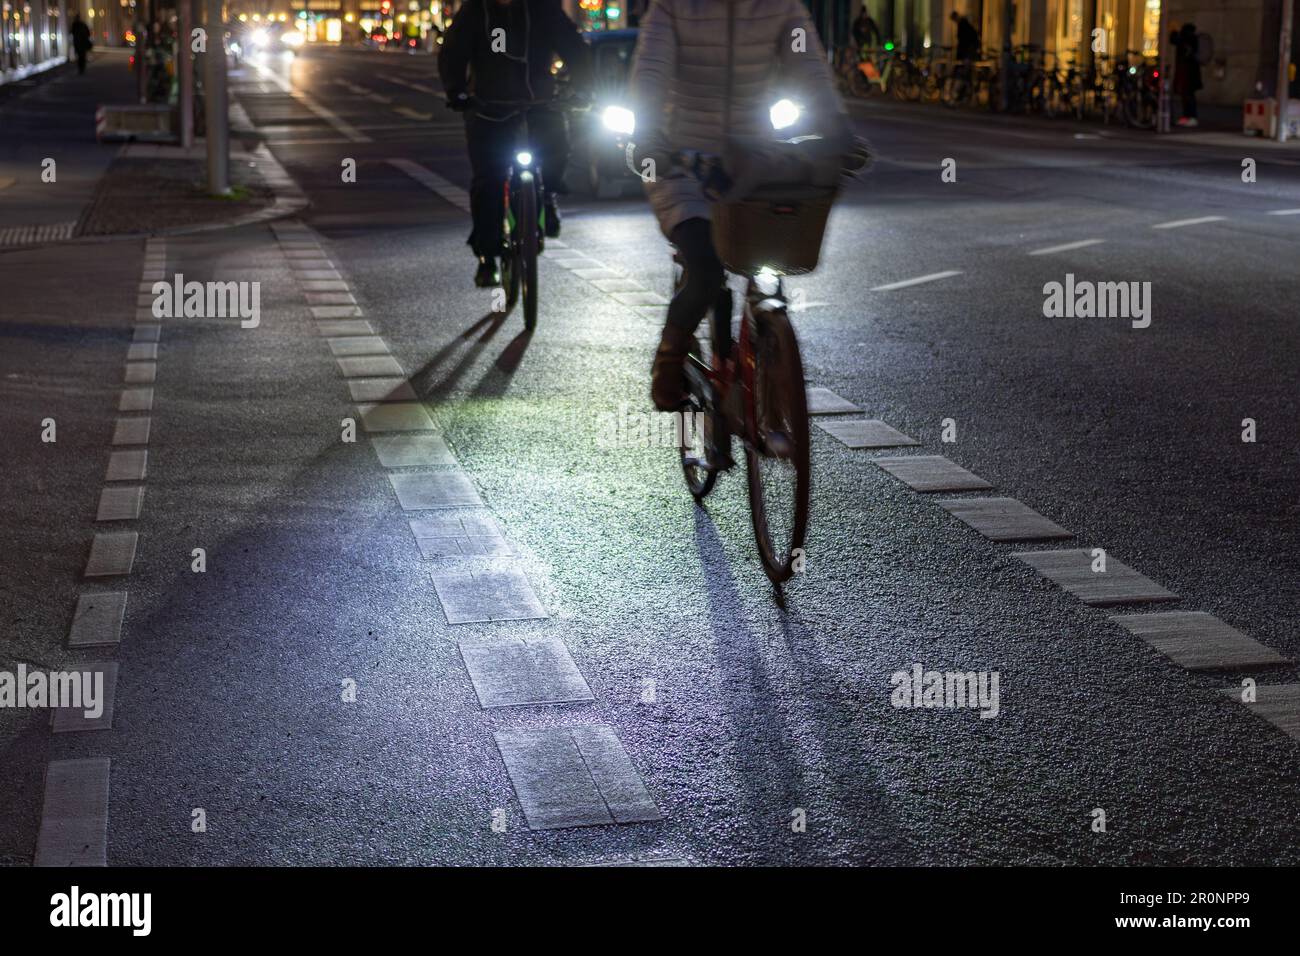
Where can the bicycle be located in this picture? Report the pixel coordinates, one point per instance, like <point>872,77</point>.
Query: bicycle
<point>524,226</point>
<point>758,393</point>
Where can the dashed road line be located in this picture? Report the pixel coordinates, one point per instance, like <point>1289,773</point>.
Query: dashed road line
<point>432,181</point>
<point>919,280</point>
<point>347,129</point>
<point>1180,223</point>
<point>1067,247</point>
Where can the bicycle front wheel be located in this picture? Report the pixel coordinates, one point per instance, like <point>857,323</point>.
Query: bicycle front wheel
<point>526,222</point>
<point>778,461</point>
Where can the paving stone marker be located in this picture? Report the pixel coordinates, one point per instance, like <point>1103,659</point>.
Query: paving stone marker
<point>350,345</point>
<point>931,473</point>
<point>1118,584</point>
<point>381,390</point>
<point>120,504</point>
<point>74,819</point>
<point>136,400</point>
<point>131,431</point>
<point>97,620</point>
<point>111,554</point>
<point>864,433</point>
<point>1004,519</point>
<point>370,366</point>
<point>822,401</point>
<point>127,465</point>
<point>517,673</point>
<point>453,536</point>
<point>1279,704</point>
<point>395,417</point>
<point>71,720</point>
<point>1198,641</point>
<point>574,777</point>
<point>483,596</point>
<point>408,450</point>
<point>342,327</point>
<point>440,489</point>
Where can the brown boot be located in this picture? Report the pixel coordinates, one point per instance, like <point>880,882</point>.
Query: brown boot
<point>667,375</point>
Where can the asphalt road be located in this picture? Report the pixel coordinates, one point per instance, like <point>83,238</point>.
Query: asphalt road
<point>228,690</point>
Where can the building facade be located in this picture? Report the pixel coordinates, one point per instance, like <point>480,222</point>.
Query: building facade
<point>1245,32</point>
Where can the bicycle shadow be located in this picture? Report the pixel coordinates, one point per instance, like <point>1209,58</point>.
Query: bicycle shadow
<point>431,388</point>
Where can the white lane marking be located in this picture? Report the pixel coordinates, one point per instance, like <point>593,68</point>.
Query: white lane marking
<point>1179,223</point>
<point>419,87</point>
<point>412,114</point>
<point>932,277</point>
<point>1284,212</point>
<point>1067,246</point>
<point>433,182</point>
<point>347,129</point>
<point>379,99</point>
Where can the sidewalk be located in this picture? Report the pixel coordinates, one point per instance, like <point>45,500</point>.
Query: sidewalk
<point>104,190</point>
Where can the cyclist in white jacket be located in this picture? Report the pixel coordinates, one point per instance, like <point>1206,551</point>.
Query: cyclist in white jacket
<point>679,84</point>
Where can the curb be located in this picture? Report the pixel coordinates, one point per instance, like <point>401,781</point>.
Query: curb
<point>290,200</point>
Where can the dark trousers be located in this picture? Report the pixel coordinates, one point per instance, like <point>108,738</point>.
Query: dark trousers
<point>81,60</point>
<point>492,148</point>
<point>1189,105</point>
<point>702,275</point>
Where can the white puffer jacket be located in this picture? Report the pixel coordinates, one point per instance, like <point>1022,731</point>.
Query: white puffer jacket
<point>679,79</point>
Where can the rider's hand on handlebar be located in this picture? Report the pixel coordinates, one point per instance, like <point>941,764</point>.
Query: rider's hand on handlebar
<point>459,102</point>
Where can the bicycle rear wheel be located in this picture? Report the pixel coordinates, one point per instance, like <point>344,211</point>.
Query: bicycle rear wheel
<point>778,463</point>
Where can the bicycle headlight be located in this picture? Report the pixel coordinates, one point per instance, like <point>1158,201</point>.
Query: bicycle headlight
<point>619,119</point>
<point>524,158</point>
<point>783,113</point>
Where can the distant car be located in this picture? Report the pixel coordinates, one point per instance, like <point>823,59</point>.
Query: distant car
<point>598,137</point>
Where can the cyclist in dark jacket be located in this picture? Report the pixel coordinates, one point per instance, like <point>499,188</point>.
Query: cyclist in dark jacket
<point>865,31</point>
<point>502,50</point>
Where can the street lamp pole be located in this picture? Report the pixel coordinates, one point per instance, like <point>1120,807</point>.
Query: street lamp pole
<point>215,109</point>
<point>185,71</point>
<point>1284,68</point>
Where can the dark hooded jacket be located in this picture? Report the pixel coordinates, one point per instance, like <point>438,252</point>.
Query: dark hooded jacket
<point>534,33</point>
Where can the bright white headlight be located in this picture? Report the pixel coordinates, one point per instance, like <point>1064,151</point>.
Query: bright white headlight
<point>524,158</point>
<point>619,119</point>
<point>783,113</point>
<point>259,37</point>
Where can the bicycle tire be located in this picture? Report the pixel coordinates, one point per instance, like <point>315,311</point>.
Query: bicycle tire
<point>779,397</point>
<point>527,224</point>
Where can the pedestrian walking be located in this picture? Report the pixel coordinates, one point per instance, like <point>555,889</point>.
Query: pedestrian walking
<point>1187,71</point>
<point>81,42</point>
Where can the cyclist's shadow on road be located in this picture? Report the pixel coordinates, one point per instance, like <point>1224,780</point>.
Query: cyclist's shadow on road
<point>432,387</point>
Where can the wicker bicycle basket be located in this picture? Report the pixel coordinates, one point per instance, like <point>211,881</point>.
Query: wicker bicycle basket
<point>777,228</point>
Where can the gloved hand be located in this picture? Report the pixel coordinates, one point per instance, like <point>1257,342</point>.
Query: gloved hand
<point>458,102</point>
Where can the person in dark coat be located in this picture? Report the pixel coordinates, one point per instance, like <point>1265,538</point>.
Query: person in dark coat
<point>1187,71</point>
<point>498,51</point>
<point>865,31</point>
<point>968,38</point>
<point>81,43</point>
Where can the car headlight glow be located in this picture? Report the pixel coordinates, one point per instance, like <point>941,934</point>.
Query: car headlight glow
<point>783,113</point>
<point>258,38</point>
<point>293,38</point>
<point>619,119</point>
<point>524,159</point>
